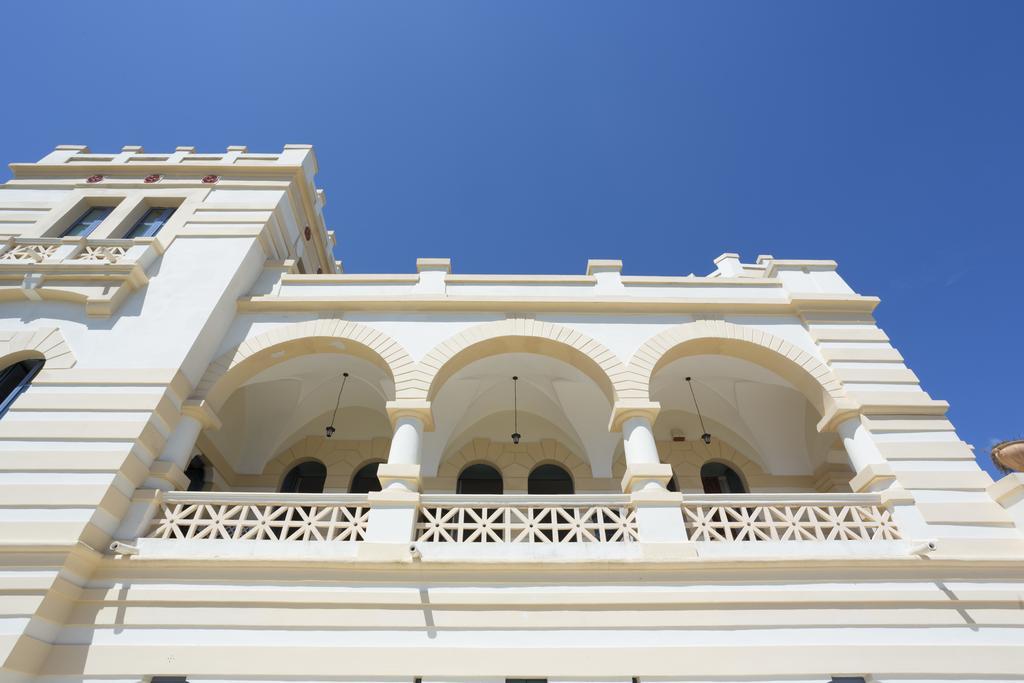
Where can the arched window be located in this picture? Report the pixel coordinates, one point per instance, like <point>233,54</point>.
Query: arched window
<point>720,478</point>
<point>549,480</point>
<point>480,479</point>
<point>14,379</point>
<point>196,473</point>
<point>306,477</point>
<point>365,480</point>
<point>673,485</point>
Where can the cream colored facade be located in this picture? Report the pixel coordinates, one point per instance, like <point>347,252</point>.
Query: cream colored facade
<point>864,541</point>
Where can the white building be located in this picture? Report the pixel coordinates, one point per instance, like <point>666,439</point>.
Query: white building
<point>175,335</point>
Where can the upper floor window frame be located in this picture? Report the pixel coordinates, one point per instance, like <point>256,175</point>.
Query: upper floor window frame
<point>156,216</point>
<point>86,224</point>
<point>127,213</point>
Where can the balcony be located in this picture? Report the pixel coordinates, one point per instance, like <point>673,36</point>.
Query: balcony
<point>520,528</point>
<point>99,273</point>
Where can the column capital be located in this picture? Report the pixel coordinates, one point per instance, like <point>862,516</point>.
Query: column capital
<point>839,413</point>
<point>623,410</point>
<point>420,410</point>
<point>201,411</point>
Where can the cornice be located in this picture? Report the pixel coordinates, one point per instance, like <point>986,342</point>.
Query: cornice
<point>440,302</point>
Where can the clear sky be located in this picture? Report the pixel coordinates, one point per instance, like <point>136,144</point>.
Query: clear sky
<point>528,136</point>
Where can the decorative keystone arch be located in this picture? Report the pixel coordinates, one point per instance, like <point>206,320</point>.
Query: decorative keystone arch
<point>515,462</point>
<point>808,374</point>
<point>234,367</point>
<point>514,335</point>
<point>47,342</point>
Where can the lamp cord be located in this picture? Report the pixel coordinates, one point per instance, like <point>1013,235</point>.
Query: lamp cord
<point>515,404</point>
<point>696,405</point>
<point>340,391</point>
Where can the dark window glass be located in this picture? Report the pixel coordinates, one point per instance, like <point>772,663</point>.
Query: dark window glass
<point>848,679</point>
<point>168,679</point>
<point>89,221</point>
<point>549,480</point>
<point>14,379</point>
<point>480,479</point>
<point>672,485</point>
<point>151,222</point>
<point>365,480</point>
<point>196,473</point>
<point>307,477</point>
<point>526,680</point>
<point>719,478</point>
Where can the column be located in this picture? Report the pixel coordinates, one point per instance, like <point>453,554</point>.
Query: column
<point>658,512</point>
<point>394,508</point>
<point>874,475</point>
<point>644,469</point>
<point>167,473</point>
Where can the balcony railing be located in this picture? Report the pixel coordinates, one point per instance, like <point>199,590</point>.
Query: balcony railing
<point>519,520</point>
<point>527,519</point>
<point>72,250</point>
<point>788,517</point>
<point>261,517</point>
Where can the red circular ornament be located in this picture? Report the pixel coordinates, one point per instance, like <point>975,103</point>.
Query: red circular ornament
<point>94,178</point>
<point>210,179</point>
<point>308,233</point>
<point>152,178</point>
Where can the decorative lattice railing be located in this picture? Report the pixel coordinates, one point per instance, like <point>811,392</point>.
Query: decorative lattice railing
<point>259,516</point>
<point>526,519</point>
<point>76,250</point>
<point>786,517</point>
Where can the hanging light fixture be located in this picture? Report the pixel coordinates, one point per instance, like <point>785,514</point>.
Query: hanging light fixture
<point>330,428</point>
<point>515,411</point>
<point>705,437</point>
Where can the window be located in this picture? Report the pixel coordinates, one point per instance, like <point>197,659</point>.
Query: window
<point>847,679</point>
<point>14,379</point>
<point>307,477</point>
<point>151,222</point>
<point>673,485</point>
<point>719,478</point>
<point>481,480</point>
<point>550,480</point>
<point>365,480</point>
<point>168,679</point>
<point>196,473</point>
<point>89,221</point>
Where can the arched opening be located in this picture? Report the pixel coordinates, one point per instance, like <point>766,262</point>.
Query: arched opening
<point>365,479</point>
<point>558,412</point>
<point>15,379</point>
<point>549,480</point>
<point>480,479</point>
<point>306,477</point>
<point>197,474</point>
<point>717,477</point>
<point>673,485</point>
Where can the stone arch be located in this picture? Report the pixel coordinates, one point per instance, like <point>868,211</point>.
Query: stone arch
<point>809,375</point>
<point>515,462</point>
<point>512,336</point>
<point>245,360</point>
<point>47,342</point>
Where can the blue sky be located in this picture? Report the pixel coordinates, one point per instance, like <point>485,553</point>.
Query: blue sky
<point>530,136</point>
